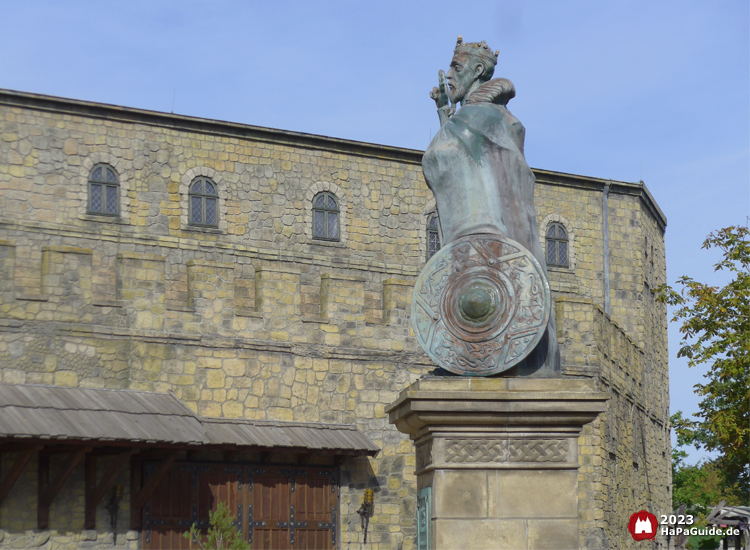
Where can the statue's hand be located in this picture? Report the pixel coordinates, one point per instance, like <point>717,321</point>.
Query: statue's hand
<point>440,93</point>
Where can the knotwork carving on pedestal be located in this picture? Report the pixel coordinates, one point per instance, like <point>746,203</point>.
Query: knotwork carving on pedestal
<point>476,450</point>
<point>481,304</point>
<point>538,450</point>
<point>471,451</point>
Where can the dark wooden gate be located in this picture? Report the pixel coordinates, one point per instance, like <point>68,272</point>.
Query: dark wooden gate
<point>276,507</point>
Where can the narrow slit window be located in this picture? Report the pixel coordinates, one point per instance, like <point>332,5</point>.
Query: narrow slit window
<point>433,235</point>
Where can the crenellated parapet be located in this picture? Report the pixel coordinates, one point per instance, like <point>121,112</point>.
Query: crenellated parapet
<point>231,300</point>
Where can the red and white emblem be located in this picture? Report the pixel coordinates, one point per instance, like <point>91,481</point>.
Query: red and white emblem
<point>642,525</point>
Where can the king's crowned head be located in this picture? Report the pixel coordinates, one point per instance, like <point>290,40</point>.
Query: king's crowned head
<point>477,49</point>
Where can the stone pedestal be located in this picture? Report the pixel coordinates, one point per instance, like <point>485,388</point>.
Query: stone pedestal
<point>497,459</point>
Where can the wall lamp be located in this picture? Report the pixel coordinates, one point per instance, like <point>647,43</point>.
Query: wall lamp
<point>365,511</point>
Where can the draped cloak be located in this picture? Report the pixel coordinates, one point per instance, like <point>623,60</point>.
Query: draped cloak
<point>477,171</point>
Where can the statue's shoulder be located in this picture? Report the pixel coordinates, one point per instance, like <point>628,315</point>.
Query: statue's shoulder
<point>498,91</point>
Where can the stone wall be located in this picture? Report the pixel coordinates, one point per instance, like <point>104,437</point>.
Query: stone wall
<point>66,529</point>
<point>256,319</point>
<point>625,453</point>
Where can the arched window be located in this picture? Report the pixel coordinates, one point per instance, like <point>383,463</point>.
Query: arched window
<point>557,245</point>
<point>203,201</point>
<point>433,235</point>
<point>325,217</point>
<point>104,191</point>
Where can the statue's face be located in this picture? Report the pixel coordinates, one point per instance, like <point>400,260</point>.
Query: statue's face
<point>462,74</point>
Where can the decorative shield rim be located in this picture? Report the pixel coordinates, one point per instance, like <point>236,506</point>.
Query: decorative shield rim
<point>453,280</point>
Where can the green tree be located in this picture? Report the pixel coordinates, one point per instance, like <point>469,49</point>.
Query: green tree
<point>716,331</point>
<point>222,533</point>
<point>699,487</point>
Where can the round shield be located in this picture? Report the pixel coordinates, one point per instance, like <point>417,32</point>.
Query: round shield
<point>480,305</point>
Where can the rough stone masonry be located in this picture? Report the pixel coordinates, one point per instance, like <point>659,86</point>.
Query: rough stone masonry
<point>254,318</point>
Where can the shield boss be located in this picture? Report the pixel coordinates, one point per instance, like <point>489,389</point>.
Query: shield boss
<point>481,305</point>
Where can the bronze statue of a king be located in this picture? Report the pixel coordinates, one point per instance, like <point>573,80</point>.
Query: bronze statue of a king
<point>482,304</point>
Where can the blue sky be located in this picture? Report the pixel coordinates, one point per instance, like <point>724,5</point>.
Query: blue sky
<point>629,90</point>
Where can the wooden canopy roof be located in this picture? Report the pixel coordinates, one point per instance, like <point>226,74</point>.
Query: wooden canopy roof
<point>139,418</point>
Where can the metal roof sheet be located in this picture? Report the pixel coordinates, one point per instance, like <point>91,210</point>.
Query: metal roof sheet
<point>60,413</point>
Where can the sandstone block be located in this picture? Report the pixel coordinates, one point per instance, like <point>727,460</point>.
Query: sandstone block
<point>215,379</point>
<point>480,534</point>
<point>66,378</point>
<point>460,494</point>
<point>546,493</point>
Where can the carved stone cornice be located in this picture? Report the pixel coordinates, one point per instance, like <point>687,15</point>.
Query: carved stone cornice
<point>496,423</point>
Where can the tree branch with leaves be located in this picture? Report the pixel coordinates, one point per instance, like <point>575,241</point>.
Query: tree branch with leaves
<point>715,328</point>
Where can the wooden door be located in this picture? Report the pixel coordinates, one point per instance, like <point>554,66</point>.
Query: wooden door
<point>315,505</point>
<point>186,496</point>
<point>276,507</point>
<point>167,515</point>
<point>268,519</point>
<point>293,508</point>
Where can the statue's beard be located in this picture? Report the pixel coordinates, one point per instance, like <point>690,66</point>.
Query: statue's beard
<point>457,92</point>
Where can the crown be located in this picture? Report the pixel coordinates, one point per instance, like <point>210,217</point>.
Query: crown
<point>479,49</point>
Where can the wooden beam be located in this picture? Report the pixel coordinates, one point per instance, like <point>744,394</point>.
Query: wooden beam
<point>55,486</point>
<point>231,456</point>
<point>18,447</point>
<point>89,514</point>
<point>716,511</point>
<point>49,490</point>
<point>95,493</point>
<point>136,477</point>
<point>42,512</point>
<point>15,472</point>
<point>109,451</point>
<point>115,469</point>
<point>339,459</point>
<point>56,449</point>
<point>158,454</point>
<point>304,458</point>
<point>152,483</point>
